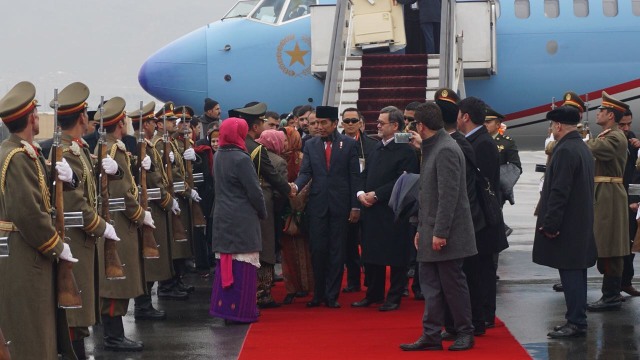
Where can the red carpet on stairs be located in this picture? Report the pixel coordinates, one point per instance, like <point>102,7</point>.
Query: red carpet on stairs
<point>296,332</point>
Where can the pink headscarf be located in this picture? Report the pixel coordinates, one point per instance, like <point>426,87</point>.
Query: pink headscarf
<point>272,140</point>
<point>233,131</point>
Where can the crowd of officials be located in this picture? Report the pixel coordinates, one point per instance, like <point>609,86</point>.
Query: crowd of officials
<point>291,188</point>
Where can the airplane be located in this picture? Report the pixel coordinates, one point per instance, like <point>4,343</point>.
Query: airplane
<point>544,48</point>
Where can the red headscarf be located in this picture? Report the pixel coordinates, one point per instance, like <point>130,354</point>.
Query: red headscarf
<point>233,131</point>
<point>292,153</point>
<point>272,140</point>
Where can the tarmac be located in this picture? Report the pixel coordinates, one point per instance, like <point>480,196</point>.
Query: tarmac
<point>525,302</point>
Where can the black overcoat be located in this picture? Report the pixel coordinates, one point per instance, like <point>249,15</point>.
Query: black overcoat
<point>566,205</point>
<point>384,241</point>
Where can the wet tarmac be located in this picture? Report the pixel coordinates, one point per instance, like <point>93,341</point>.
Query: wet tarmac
<point>526,303</point>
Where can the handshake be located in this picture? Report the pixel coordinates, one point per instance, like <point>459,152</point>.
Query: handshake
<point>294,190</point>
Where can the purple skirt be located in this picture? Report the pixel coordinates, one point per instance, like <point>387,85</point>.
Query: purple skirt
<point>238,302</point>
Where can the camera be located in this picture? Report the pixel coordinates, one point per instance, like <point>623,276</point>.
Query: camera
<point>402,138</point>
<point>541,168</point>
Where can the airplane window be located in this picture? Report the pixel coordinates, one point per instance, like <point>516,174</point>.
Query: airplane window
<point>522,8</point>
<point>269,11</point>
<point>298,8</point>
<point>635,5</point>
<point>610,7</point>
<point>551,8</point>
<point>581,8</point>
<point>241,9</point>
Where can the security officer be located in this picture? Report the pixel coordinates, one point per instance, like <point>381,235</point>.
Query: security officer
<point>73,120</point>
<point>28,313</point>
<point>611,226</point>
<point>115,295</point>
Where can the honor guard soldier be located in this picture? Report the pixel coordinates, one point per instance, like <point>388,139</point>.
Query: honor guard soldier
<point>161,268</point>
<point>574,100</point>
<point>29,244</point>
<point>73,120</point>
<point>611,225</point>
<point>174,288</point>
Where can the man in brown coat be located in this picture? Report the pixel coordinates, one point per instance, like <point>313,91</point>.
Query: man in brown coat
<point>611,224</point>
<point>28,314</point>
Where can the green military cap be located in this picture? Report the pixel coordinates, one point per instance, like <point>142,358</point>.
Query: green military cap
<point>186,110</point>
<point>609,102</point>
<point>167,110</point>
<point>18,102</point>
<point>445,94</point>
<point>252,111</point>
<point>147,112</point>
<point>113,111</point>
<point>493,115</point>
<point>72,99</point>
<point>572,99</point>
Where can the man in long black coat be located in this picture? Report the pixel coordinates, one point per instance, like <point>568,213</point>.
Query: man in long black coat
<point>562,241</point>
<point>384,241</point>
<point>490,240</point>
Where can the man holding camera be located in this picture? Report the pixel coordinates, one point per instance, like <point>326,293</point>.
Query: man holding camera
<point>385,242</point>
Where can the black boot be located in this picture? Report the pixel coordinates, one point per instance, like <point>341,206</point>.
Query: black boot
<point>168,289</point>
<point>114,339</point>
<point>611,299</point>
<point>78,348</point>
<point>144,310</point>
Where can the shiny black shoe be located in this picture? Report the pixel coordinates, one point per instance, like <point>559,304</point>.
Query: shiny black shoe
<point>405,293</point>
<point>463,342</point>
<point>351,289</point>
<point>489,325</point>
<point>605,304</point>
<point>288,299</point>
<point>184,287</point>
<point>122,344</point>
<point>365,303</point>
<point>567,331</point>
<point>332,304</point>
<point>421,344</point>
<point>269,305</point>
<point>558,287</point>
<point>149,314</point>
<point>172,294</point>
<point>389,307</point>
<point>302,294</point>
<point>418,295</point>
<point>314,303</point>
<point>448,336</point>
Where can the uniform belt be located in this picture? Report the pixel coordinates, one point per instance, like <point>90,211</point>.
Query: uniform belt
<point>608,179</point>
<point>7,226</point>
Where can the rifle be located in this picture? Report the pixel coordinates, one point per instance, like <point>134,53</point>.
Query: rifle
<point>149,244</point>
<point>179,234</point>
<point>114,270</point>
<point>67,288</point>
<point>198,219</point>
<point>585,124</point>
<point>4,348</point>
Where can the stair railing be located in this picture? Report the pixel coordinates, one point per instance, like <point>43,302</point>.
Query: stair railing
<point>338,49</point>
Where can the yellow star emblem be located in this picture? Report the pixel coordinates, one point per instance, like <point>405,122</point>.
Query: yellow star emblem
<point>297,55</point>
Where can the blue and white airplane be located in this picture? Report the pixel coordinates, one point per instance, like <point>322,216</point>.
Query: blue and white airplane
<point>544,49</point>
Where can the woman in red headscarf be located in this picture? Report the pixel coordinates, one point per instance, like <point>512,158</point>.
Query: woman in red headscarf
<point>238,208</point>
<point>296,258</point>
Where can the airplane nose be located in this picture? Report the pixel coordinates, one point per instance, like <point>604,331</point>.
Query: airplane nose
<point>179,66</point>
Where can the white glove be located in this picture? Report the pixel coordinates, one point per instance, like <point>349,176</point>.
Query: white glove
<point>175,207</point>
<point>638,152</point>
<point>146,163</point>
<point>66,254</point>
<point>64,171</point>
<point>194,196</point>
<point>109,165</point>
<point>171,157</point>
<point>148,220</point>
<point>110,233</point>
<point>189,154</point>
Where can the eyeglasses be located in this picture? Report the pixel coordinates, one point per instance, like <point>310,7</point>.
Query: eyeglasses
<point>409,118</point>
<point>350,121</point>
<point>382,123</point>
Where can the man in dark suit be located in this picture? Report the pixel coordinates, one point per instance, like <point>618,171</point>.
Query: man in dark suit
<point>352,124</point>
<point>430,14</point>
<point>561,240</point>
<point>385,242</point>
<point>491,239</point>
<point>331,161</point>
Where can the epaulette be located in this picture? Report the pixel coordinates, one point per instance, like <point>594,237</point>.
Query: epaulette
<point>84,142</point>
<point>74,148</point>
<point>604,133</point>
<point>37,146</point>
<point>28,148</point>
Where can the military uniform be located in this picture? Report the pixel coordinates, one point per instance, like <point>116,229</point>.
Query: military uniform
<point>611,225</point>
<point>28,313</point>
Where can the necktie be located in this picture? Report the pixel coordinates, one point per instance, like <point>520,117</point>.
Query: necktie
<point>327,153</point>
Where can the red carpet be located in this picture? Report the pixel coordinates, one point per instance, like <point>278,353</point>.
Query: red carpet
<point>295,332</point>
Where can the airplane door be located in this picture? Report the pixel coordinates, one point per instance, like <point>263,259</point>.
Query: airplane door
<point>476,20</point>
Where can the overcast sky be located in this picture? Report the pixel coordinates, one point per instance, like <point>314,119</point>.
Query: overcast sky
<point>53,43</point>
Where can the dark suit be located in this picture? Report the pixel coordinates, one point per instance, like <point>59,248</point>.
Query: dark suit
<point>331,198</point>
<point>630,176</point>
<point>365,145</point>
<point>385,241</point>
<point>430,15</point>
<point>491,239</point>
